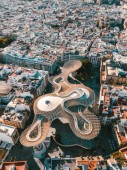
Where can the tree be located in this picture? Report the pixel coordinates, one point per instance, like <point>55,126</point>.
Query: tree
<point>5,41</point>
<point>86,65</point>
<point>86,70</point>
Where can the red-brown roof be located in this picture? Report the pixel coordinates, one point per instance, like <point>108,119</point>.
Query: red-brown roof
<point>19,165</point>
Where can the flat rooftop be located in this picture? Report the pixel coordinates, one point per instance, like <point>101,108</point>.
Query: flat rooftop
<point>4,88</point>
<point>7,129</point>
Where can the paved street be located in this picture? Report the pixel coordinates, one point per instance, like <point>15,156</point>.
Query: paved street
<point>93,82</point>
<point>105,142</point>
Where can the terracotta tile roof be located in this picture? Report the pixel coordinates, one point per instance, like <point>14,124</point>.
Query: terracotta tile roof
<point>19,165</point>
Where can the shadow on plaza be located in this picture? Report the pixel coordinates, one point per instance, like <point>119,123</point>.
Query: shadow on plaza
<point>98,146</point>
<point>65,136</point>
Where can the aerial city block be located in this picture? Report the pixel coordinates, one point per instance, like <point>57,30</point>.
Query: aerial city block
<point>63,84</point>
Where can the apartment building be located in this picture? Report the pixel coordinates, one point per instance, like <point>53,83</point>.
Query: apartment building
<point>113,73</point>
<point>26,85</point>
<point>113,101</point>
<point>80,163</point>
<point>9,134</point>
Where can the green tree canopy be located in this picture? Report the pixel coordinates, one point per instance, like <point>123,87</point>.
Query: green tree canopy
<point>86,70</point>
<point>5,41</point>
<point>86,65</point>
